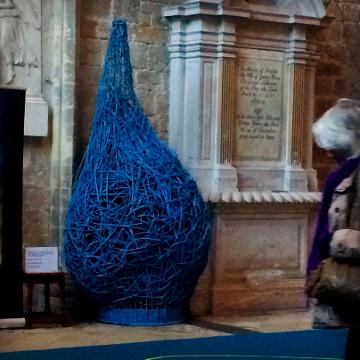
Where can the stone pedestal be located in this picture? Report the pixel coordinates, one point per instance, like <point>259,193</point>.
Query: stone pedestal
<point>259,253</point>
<point>241,109</point>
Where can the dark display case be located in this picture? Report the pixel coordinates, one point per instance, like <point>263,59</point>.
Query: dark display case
<point>12,105</point>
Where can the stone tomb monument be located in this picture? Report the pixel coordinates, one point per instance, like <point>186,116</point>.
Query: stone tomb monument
<point>241,108</point>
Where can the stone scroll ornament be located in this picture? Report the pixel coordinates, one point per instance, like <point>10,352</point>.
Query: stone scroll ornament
<point>137,230</point>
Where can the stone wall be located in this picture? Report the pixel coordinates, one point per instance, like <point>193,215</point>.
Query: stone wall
<point>48,156</point>
<point>47,159</point>
<point>338,75</point>
<point>338,72</point>
<point>148,33</point>
<point>36,192</point>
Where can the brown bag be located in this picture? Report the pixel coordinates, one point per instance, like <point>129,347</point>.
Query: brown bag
<point>345,243</point>
<point>338,280</point>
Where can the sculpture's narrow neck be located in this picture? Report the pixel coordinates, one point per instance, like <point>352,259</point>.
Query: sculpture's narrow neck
<point>117,74</point>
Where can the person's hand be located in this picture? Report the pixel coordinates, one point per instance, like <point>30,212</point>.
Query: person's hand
<point>311,280</point>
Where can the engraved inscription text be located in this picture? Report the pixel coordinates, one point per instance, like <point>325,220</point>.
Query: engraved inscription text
<point>259,110</point>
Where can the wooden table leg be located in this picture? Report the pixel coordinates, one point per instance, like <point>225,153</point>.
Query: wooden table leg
<point>30,286</point>
<point>64,319</point>
<point>47,298</point>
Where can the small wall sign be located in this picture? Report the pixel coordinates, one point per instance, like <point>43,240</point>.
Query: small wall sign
<point>41,259</point>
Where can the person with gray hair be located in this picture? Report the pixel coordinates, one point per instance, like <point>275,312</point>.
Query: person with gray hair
<point>338,130</point>
<point>333,273</point>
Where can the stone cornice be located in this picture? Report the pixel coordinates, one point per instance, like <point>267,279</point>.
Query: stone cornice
<point>266,13</point>
<point>204,8</point>
<point>263,197</point>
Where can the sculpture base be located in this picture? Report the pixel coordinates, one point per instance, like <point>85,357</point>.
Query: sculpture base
<point>141,317</point>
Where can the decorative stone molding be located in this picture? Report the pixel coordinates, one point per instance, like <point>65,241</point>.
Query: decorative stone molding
<point>263,197</point>
<point>21,60</point>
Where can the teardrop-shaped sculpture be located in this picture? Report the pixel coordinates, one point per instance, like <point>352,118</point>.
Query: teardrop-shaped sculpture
<point>137,230</point>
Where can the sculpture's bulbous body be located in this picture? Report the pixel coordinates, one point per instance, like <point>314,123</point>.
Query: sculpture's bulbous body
<point>137,229</point>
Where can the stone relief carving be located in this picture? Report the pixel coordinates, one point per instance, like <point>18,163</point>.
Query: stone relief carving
<point>16,16</point>
<point>21,58</point>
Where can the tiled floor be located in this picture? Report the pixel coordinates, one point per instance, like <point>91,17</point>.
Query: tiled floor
<point>96,333</point>
<point>269,322</point>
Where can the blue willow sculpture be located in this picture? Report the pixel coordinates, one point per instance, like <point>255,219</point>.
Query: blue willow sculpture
<point>137,230</point>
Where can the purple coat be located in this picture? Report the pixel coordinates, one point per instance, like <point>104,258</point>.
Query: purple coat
<point>322,237</point>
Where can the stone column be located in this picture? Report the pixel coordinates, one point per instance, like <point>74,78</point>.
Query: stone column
<point>297,82</point>
<point>202,106</point>
<point>60,89</point>
<point>48,150</point>
<point>227,100</point>
<point>301,61</point>
<point>309,118</point>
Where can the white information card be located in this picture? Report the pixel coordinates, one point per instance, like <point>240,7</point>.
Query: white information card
<point>41,259</point>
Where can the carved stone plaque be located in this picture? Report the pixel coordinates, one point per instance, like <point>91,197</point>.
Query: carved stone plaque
<point>259,122</point>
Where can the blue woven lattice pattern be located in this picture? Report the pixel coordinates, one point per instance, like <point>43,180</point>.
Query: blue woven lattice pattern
<point>137,230</point>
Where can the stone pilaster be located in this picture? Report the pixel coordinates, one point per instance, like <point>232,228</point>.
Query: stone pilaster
<point>201,115</point>
<point>60,90</point>
<point>297,83</point>
<point>227,110</point>
<point>301,61</point>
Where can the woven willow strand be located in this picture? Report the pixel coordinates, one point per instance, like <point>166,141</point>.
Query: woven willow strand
<point>137,229</point>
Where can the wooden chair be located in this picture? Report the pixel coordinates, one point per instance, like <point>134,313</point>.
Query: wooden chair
<point>46,279</point>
